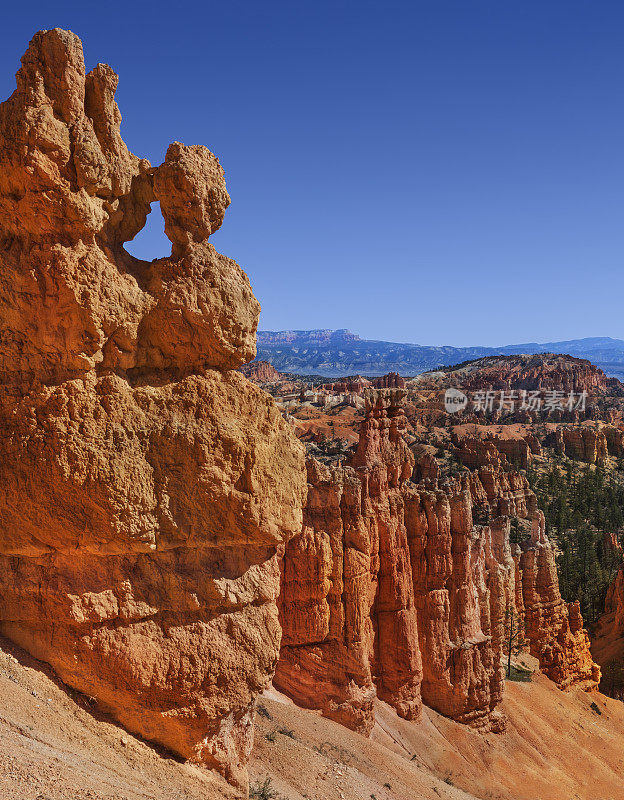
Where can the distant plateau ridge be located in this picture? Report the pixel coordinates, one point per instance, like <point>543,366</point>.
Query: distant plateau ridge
<point>339,352</point>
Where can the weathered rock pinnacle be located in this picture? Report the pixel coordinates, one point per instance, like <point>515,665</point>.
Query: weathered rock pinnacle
<point>146,484</point>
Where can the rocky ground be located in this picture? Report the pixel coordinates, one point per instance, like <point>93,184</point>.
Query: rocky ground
<point>55,746</point>
<point>557,746</point>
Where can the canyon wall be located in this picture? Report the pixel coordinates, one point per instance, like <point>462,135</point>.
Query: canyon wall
<point>151,530</point>
<point>147,484</point>
<point>393,590</point>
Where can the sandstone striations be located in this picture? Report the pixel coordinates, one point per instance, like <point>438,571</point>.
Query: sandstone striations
<point>148,485</point>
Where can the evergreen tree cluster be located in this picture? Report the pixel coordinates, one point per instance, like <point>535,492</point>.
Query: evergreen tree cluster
<point>582,506</point>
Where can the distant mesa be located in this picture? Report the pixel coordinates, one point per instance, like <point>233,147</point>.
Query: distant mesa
<point>545,371</point>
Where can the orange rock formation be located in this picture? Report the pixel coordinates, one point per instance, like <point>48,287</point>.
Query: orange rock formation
<point>392,589</point>
<point>546,371</point>
<point>582,443</point>
<point>392,380</point>
<point>553,628</point>
<point>347,601</point>
<point>260,372</point>
<point>147,485</point>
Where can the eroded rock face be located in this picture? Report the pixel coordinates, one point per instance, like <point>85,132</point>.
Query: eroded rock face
<point>615,439</point>
<point>546,371</point>
<point>614,601</point>
<point>393,589</point>
<point>326,600</point>
<point>260,372</point>
<point>463,584</point>
<point>356,385</point>
<point>392,380</point>
<point>553,628</point>
<point>582,443</point>
<point>147,485</point>
<point>502,493</point>
<point>70,195</point>
<point>477,446</point>
<point>426,467</point>
<point>474,453</point>
<point>347,602</point>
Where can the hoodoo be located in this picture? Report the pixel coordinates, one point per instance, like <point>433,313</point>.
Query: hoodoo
<point>347,601</point>
<point>393,590</point>
<point>147,485</point>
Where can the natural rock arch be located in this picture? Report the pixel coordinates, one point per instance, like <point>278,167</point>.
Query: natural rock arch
<point>150,242</point>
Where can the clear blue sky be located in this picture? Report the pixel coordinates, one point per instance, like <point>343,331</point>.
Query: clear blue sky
<point>448,171</point>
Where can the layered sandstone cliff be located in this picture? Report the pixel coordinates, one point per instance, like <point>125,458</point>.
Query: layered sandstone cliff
<point>147,485</point>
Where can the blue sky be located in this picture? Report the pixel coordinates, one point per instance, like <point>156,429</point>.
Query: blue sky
<point>448,171</point>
